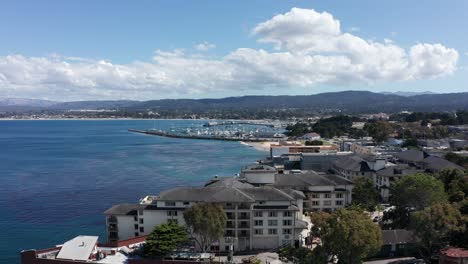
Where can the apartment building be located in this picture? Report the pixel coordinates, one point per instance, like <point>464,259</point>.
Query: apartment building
<point>258,217</point>
<point>323,192</point>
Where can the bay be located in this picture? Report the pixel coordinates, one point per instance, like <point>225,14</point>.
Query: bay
<point>58,176</point>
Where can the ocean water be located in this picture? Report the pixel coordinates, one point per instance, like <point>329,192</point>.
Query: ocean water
<point>57,177</point>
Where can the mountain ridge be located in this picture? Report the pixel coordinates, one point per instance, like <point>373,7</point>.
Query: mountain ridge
<point>345,101</point>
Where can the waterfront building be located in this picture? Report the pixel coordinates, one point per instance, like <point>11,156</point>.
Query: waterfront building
<point>323,192</point>
<point>258,217</point>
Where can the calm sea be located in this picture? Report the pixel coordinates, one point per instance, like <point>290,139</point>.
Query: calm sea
<point>57,177</point>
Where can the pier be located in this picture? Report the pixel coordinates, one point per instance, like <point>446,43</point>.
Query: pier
<point>227,123</point>
<point>172,135</point>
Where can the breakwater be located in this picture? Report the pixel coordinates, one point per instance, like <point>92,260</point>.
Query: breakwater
<point>223,138</point>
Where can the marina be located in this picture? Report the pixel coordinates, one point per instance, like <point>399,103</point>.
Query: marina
<point>277,137</point>
<point>222,130</point>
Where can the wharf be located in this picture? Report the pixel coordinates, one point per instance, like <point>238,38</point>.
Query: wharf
<point>212,124</point>
<point>171,135</point>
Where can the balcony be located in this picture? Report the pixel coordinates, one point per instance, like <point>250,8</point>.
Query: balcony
<point>230,216</point>
<point>243,216</point>
<point>243,206</point>
<point>113,236</point>
<point>112,219</point>
<point>230,225</point>
<point>112,227</point>
<point>243,233</point>
<point>243,225</point>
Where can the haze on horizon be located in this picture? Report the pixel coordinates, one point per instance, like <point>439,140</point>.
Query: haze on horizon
<point>84,50</point>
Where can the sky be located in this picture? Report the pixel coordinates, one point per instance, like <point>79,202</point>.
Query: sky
<point>143,50</point>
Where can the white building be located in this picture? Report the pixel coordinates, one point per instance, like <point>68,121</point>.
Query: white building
<point>258,217</point>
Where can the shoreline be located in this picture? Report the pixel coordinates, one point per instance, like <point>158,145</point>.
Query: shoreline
<point>260,146</point>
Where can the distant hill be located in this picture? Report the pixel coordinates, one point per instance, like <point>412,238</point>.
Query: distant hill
<point>25,102</point>
<point>400,93</point>
<point>117,104</point>
<point>346,101</point>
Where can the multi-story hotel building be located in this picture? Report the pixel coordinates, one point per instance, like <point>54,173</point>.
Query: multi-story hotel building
<point>264,210</point>
<point>258,217</point>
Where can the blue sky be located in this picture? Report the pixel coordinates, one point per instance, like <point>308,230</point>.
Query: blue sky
<point>54,49</point>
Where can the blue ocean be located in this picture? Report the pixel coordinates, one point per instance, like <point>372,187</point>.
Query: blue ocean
<point>58,177</point>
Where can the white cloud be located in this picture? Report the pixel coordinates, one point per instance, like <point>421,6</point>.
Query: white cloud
<point>204,46</point>
<point>355,29</point>
<point>466,53</point>
<point>310,50</point>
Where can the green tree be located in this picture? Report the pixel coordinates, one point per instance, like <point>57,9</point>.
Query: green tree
<point>434,225</point>
<point>455,184</point>
<point>457,159</point>
<point>378,130</point>
<point>350,235</point>
<point>164,239</point>
<point>206,222</point>
<point>417,191</point>
<point>365,194</point>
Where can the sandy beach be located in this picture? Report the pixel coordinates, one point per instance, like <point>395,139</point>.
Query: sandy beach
<point>261,146</point>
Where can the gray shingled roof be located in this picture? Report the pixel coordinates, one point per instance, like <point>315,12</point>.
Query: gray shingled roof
<point>437,164</point>
<point>267,194</point>
<point>228,182</point>
<point>399,170</point>
<point>304,180</point>
<point>351,163</point>
<point>411,155</point>
<point>205,194</point>
<point>224,194</point>
<point>124,209</point>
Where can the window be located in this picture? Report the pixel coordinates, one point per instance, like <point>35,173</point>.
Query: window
<point>258,231</point>
<point>287,213</point>
<point>287,222</point>
<point>339,202</point>
<point>186,203</point>
<point>258,222</point>
<point>169,203</point>
<point>135,218</point>
<point>339,195</point>
<point>327,195</point>
<point>136,226</point>
<point>229,233</point>
<point>214,248</point>
<point>326,203</point>
<point>315,203</point>
<point>272,214</point>
<point>172,221</point>
<point>286,231</point>
<point>171,213</point>
<point>272,222</point>
<point>272,231</point>
<point>136,234</point>
<point>258,214</point>
<point>141,220</point>
<point>142,229</point>
<point>315,195</point>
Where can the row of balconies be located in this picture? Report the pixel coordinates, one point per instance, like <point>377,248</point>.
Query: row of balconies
<point>243,224</point>
<point>231,215</point>
<point>240,233</point>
